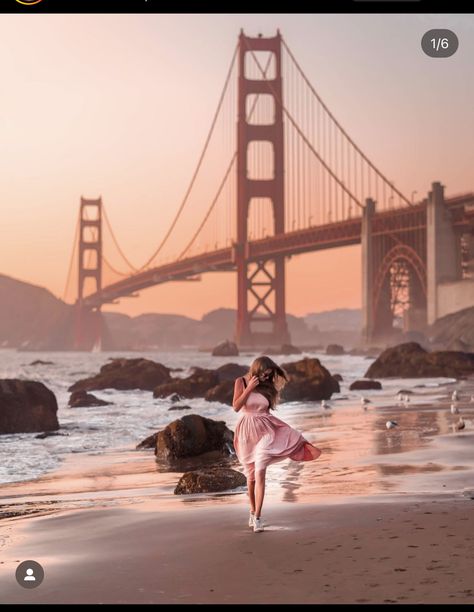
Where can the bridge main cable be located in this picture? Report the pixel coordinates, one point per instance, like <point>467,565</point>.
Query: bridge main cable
<point>199,164</point>
<point>339,126</point>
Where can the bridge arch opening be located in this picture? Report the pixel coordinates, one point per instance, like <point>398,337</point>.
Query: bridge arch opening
<point>260,160</point>
<point>266,60</point>
<point>261,218</point>
<point>260,109</point>
<point>400,293</point>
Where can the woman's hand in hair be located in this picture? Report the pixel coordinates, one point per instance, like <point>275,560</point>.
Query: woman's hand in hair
<point>253,382</point>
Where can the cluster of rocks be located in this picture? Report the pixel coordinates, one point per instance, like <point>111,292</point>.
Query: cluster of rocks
<point>410,360</point>
<point>202,448</point>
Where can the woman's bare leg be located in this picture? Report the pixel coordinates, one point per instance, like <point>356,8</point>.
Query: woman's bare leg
<point>259,491</point>
<point>251,491</point>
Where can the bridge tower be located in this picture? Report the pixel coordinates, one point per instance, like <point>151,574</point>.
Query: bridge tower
<point>261,316</point>
<point>88,322</point>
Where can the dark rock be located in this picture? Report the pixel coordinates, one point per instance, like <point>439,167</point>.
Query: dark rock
<point>334,349</point>
<point>180,407</point>
<point>226,349</point>
<point>338,377</point>
<point>26,406</point>
<point>175,397</point>
<point>285,349</point>
<point>149,442</point>
<point>210,480</point>
<point>223,392</point>
<point>231,371</point>
<point>196,385</point>
<point>82,399</point>
<point>309,380</point>
<point>176,369</point>
<point>192,435</point>
<point>126,374</point>
<point>49,434</point>
<point>358,385</point>
<point>412,361</point>
<point>40,362</point>
<point>406,391</point>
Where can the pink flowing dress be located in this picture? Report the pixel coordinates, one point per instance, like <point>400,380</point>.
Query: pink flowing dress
<point>261,438</point>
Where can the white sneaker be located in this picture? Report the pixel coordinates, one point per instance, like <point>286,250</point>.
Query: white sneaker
<point>258,524</point>
<point>251,519</point>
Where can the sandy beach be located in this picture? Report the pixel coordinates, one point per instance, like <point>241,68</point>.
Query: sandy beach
<point>383,516</point>
<point>397,551</point>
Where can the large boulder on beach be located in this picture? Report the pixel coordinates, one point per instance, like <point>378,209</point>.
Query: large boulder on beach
<point>334,349</point>
<point>214,385</point>
<point>195,385</point>
<point>225,349</point>
<point>149,442</point>
<point>124,374</point>
<point>223,392</point>
<point>193,435</point>
<point>231,371</point>
<point>360,385</point>
<point>82,399</point>
<point>209,480</point>
<point>26,406</point>
<point>309,380</point>
<point>410,360</point>
<point>284,349</point>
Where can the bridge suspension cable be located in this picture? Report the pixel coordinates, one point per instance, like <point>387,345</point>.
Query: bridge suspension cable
<point>120,250</point>
<point>71,260</point>
<point>226,175</point>
<point>341,129</point>
<point>199,164</point>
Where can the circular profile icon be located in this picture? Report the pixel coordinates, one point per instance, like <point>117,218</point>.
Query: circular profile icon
<point>29,574</point>
<point>28,2</point>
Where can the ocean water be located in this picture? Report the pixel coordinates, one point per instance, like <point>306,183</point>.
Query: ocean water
<point>349,436</point>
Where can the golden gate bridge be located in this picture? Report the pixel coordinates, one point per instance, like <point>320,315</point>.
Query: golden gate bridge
<point>278,175</point>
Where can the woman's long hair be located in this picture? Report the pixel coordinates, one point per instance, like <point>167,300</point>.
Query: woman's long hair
<point>271,378</point>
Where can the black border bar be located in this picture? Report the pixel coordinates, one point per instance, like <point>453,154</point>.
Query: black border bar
<point>233,6</point>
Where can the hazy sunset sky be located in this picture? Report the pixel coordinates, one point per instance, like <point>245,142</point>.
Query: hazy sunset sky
<point>119,106</point>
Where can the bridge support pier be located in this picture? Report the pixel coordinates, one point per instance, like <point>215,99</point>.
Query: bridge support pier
<point>443,252</point>
<point>367,271</point>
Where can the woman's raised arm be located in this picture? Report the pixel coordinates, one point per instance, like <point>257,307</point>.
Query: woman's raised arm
<point>241,393</point>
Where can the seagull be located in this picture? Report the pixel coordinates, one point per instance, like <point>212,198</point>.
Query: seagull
<point>454,409</point>
<point>391,424</point>
<point>400,397</point>
<point>326,405</point>
<point>406,399</point>
<point>364,400</point>
<point>460,424</point>
<point>455,396</point>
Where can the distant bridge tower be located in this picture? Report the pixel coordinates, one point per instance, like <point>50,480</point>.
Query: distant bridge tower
<point>88,322</point>
<point>261,316</point>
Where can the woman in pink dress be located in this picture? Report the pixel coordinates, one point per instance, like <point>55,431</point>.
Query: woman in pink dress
<point>260,437</point>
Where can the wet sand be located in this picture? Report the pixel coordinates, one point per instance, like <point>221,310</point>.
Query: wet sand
<point>404,551</point>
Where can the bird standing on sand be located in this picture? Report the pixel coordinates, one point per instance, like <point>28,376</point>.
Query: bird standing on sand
<point>391,424</point>
<point>455,396</point>
<point>364,401</point>
<point>454,409</point>
<point>400,397</point>
<point>326,405</point>
<point>460,424</point>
